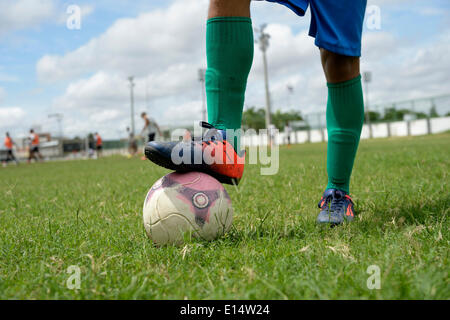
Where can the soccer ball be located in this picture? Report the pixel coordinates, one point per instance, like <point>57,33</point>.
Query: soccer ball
<point>186,203</point>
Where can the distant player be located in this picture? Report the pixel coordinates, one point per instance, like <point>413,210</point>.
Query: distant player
<point>149,130</point>
<point>34,153</point>
<point>272,130</point>
<point>132,143</point>
<point>98,144</point>
<point>288,132</point>
<point>9,144</point>
<point>336,26</point>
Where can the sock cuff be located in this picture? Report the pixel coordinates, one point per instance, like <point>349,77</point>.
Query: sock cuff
<point>229,19</point>
<point>344,84</point>
<point>236,30</point>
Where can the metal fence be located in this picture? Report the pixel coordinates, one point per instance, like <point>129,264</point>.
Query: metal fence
<point>406,110</point>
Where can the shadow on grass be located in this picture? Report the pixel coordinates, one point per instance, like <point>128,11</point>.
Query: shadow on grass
<point>431,210</point>
<point>417,211</point>
<point>237,236</point>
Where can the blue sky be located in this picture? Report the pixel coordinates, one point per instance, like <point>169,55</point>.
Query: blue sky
<point>47,68</point>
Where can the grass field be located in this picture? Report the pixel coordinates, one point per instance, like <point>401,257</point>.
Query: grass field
<point>88,214</point>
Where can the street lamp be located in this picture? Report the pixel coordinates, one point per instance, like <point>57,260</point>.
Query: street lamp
<point>263,41</point>
<point>59,117</point>
<point>201,78</point>
<point>290,90</point>
<point>131,79</point>
<point>367,78</point>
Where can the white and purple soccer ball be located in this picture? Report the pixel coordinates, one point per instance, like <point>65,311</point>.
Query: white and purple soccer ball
<point>186,203</point>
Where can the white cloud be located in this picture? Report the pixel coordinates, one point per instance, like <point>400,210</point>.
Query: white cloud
<point>410,71</point>
<point>152,41</point>
<point>11,117</point>
<point>184,114</point>
<point>21,14</point>
<point>164,49</point>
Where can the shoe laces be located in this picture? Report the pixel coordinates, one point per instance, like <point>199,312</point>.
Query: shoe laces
<point>334,200</point>
<point>337,204</point>
<point>212,135</point>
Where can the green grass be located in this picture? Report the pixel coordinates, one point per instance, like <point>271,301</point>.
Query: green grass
<point>88,214</point>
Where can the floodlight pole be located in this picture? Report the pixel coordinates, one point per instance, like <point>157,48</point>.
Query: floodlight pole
<point>263,41</point>
<point>131,79</point>
<point>59,117</point>
<point>201,78</point>
<point>367,77</point>
<point>290,90</point>
<point>146,93</point>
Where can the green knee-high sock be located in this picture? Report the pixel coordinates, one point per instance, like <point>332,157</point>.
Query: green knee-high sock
<point>229,52</point>
<point>345,117</point>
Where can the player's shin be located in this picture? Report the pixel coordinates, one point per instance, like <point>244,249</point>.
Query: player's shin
<point>229,50</point>
<point>345,116</point>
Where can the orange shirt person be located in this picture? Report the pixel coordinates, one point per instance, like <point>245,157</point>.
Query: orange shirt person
<point>34,147</point>
<point>34,140</point>
<point>9,143</point>
<point>98,144</point>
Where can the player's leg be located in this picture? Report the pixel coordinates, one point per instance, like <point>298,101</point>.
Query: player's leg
<point>337,28</point>
<point>38,152</point>
<point>339,68</point>
<point>345,115</point>
<point>8,155</point>
<point>229,8</point>
<point>229,53</point>
<point>30,155</point>
<point>13,156</point>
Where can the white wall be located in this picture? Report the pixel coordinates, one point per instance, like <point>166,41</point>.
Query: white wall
<point>379,130</point>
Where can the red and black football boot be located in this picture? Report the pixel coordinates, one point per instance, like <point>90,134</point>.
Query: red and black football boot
<point>212,155</point>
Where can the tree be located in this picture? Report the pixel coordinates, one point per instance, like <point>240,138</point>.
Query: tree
<point>420,115</point>
<point>279,118</point>
<point>433,112</point>
<point>392,114</point>
<point>255,118</point>
<point>373,116</point>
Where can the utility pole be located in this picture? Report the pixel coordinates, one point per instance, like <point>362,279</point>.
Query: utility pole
<point>367,77</point>
<point>146,93</point>
<point>290,90</point>
<point>59,117</point>
<point>201,78</point>
<point>263,41</point>
<point>131,79</point>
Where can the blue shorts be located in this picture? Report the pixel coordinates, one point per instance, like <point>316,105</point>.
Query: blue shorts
<point>335,24</point>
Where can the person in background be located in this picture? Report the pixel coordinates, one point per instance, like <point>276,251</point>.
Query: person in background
<point>34,147</point>
<point>150,129</point>
<point>9,143</point>
<point>272,131</point>
<point>98,144</point>
<point>287,132</point>
<point>132,143</point>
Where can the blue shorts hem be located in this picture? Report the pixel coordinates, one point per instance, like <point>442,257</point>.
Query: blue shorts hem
<point>345,51</point>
